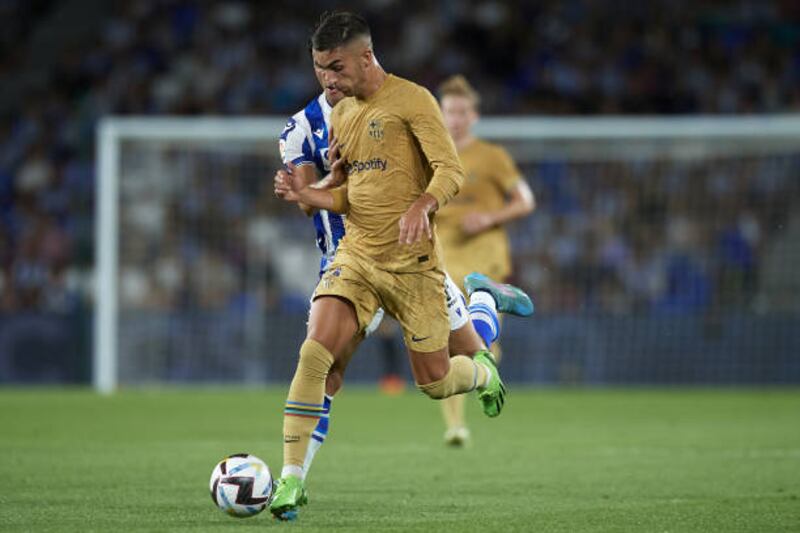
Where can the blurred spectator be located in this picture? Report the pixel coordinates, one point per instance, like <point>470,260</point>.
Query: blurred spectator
<point>674,236</point>
<point>610,240</point>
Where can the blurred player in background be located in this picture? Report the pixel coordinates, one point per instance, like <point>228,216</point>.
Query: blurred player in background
<point>471,225</point>
<point>389,256</point>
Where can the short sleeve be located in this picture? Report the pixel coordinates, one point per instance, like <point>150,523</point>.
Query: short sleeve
<point>505,172</point>
<point>295,144</point>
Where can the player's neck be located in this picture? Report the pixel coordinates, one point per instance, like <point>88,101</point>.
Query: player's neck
<point>464,141</point>
<point>374,82</point>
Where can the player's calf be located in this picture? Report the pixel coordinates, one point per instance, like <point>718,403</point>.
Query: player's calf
<point>463,376</point>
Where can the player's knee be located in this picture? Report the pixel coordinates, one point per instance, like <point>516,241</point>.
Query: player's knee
<point>315,360</point>
<point>431,373</point>
<point>334,381</point>
<point>438,389</point>
<point>434,383</point>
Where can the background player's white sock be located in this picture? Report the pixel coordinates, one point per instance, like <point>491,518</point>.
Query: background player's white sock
<point>483,313</point>
<point>319,435</point>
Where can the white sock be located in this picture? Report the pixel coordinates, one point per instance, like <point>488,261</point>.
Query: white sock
<point>483,297</point>
<point>313,448</point>
<point>292,470</point>
<point>488,376</point>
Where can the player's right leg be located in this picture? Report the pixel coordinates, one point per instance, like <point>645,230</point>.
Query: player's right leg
<point>331,327</point>
<point>343,305</point>
<point>333,383</point>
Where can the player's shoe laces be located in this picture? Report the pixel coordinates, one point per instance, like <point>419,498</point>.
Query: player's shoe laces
<point>289,495</point>
<point>493,395</point>
<point>509,299</point>
<point>457,437</point>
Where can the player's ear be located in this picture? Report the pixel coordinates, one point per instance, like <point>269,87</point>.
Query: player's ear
<point>367,57</point>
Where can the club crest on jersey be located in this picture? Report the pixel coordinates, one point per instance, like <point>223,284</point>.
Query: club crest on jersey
<point>376,129</point>
<point>288,128</point>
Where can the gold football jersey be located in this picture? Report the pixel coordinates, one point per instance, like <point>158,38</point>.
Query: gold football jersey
<point>397,148</point>
<point>490,175</point>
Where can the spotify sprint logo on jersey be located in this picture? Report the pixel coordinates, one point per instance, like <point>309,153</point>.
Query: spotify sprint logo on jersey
<point>370,164</point>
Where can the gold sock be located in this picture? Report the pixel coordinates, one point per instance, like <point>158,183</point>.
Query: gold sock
<point>453,411</point>
<point>464,375</point>
<point>496,351</point>
<point>304,404</point>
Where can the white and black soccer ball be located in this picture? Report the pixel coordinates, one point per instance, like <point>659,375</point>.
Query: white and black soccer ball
<point>241,485</point>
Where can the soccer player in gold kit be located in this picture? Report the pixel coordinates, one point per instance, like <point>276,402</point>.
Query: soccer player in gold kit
<point>471,226</point>
<point>400,165</point>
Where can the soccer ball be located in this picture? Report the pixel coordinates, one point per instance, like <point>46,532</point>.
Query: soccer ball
<point>241,485</point>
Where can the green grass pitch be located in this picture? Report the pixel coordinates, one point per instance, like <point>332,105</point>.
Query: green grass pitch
<point>567,460</point>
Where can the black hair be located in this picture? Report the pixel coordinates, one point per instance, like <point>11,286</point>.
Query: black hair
<point>337,28</point>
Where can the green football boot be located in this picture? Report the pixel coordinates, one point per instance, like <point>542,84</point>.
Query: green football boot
<point>493,395</point>
<point>509,299</point>
<point>289,495</point>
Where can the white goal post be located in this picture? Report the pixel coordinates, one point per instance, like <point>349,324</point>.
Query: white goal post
<point>534,135</point>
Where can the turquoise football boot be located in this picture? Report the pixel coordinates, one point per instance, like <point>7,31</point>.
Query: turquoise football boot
<point>509,299</point>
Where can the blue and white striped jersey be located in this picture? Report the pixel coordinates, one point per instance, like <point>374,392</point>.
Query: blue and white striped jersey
<point>304,141</point>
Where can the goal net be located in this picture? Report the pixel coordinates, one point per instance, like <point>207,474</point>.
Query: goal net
<point>662,250</point>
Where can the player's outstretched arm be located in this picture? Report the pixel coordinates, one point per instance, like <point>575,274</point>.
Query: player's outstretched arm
<point>290,187</point>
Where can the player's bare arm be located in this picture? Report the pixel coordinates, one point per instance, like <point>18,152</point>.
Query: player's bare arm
<point>520,203</point>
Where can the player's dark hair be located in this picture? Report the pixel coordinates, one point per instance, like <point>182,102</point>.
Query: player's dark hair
<point>337,28</point>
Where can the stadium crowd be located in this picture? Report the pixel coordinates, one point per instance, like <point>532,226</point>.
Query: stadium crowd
<point>597,242</point>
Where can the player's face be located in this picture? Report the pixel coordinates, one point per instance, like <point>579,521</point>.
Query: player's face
<point>459,115</point>
<point>332,95</point>
<point>341,70</point>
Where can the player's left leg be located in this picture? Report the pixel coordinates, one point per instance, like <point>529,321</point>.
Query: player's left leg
<point>474,328</point>
<point>417,301</point>
<point>464,339</point>
<point>457,432</point>
<point>440,376</point>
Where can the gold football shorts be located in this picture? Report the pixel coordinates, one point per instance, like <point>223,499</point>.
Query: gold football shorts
<point>415,299</point>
